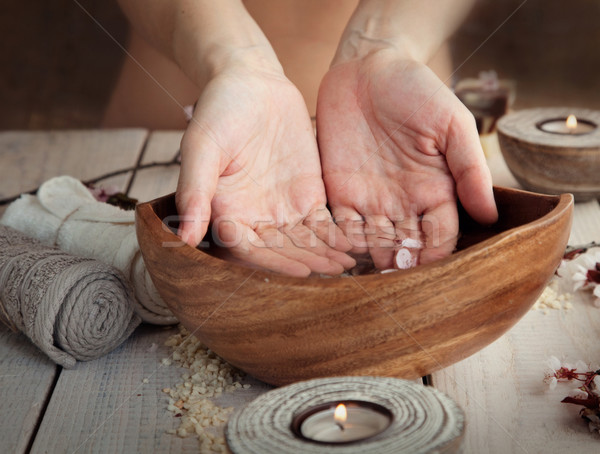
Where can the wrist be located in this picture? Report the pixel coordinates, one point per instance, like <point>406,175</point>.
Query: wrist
<point>204,45</point>
<point>415,30</point>
<point>358,44</point>
<point>379,25</point>
<point>258,58</point>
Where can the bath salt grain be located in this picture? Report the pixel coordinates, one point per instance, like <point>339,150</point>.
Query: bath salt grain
<point>208,376</point>
<point>552,298</point>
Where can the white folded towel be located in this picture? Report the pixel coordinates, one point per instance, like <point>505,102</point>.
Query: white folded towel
<point>64,214</point>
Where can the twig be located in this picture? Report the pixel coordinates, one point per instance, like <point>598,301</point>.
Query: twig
<point>114,173</point>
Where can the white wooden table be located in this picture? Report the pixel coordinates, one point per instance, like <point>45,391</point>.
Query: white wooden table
<point>104,406</point>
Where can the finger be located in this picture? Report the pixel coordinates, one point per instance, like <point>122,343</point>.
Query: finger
<point>282,244</point>
<point>352,225</point>
<point>407,227</point>
<point>197,184</point>
<point>305,238</point>
<point>321,223</point>
<point>440,229</point>
<point>470,171</point>
<point>244,244</point>
<point>381,236</point>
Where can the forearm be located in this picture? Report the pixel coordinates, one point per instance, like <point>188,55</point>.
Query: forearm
<point>201,36</point>
<point>415,28</point>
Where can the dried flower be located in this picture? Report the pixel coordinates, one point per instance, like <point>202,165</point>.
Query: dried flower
<point>581,266</point>
<point>113,196</point>
<point>102,194</point>
<point>554,363</point>
<point>586,395</point>
<point>188,111</point>
<point>551,381</point>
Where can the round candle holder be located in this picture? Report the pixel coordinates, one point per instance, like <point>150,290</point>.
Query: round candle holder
<point>544,155</point>
<point>407,417</point>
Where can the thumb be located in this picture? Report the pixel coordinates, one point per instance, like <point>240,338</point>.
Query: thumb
<point>470,171</point>
<point>198,177</point>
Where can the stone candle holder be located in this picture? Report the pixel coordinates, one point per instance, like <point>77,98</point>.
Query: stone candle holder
<point>421,418</point>
<point>545,155</point>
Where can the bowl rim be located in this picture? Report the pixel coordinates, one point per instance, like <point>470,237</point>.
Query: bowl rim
<point>145,211</point>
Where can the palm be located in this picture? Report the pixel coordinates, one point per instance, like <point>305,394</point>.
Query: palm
<point>393,159</point>
<point>251,142</point>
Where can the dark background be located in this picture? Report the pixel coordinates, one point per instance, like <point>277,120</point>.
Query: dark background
<point>58,66</point>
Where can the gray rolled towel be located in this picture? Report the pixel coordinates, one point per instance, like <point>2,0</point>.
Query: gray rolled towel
<point>64,214</point>
<point>72,308</point>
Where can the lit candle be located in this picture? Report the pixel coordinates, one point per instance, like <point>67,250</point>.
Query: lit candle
<point>342,423</point>
<point>569,126</point>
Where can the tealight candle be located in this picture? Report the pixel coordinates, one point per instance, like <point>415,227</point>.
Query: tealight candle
<point>553,150</point>
<point>570,125</point>
<point>374,414</point>
<point>344,422</point>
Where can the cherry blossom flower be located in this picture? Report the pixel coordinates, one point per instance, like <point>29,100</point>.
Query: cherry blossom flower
<point>587,395</point>
<point>578,393</point>
<point>581,269</point>
<point>102,194</point>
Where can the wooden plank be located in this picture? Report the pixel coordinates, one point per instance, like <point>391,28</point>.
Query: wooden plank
<point>26,160</point>
<point>508,407</point>
<point>105,406</point>
<point>155,182</point>
<point>26,379</point>
<point>29,158</point>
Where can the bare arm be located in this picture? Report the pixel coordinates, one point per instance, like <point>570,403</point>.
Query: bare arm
<point>407,147</point>
<point>249,159</point>
<point>416,28</point>
<point>201,36</point>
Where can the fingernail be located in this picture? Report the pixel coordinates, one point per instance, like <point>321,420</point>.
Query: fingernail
<point>185,236</point>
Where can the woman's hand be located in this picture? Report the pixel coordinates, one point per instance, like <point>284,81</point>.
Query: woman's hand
<point>250,165</point>
<point>397,147</point>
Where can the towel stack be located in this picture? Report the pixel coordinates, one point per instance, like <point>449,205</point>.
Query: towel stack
<point>64,214</point>
<point>72,308</point>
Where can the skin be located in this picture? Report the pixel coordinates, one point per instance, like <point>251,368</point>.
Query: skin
<point>261,187</point>
<point>395,147</point>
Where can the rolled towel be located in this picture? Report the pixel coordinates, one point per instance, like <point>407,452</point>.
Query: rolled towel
<point>66,215</point>
<point>72,308</point>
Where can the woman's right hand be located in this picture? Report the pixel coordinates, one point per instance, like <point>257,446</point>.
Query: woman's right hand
<point>250,165</point>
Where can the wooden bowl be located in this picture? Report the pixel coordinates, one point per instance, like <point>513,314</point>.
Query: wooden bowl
<point>552,163</point>
<point>405,324</point>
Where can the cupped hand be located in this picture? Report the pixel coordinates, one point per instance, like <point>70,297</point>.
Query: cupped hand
<point>250,165</point>
<point>397,147</point>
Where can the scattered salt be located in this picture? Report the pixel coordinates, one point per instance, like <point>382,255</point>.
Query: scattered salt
<point>208,376</point>
<point>551,298</point>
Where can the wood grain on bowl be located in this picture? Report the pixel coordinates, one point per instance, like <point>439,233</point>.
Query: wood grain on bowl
<point>404,324</point>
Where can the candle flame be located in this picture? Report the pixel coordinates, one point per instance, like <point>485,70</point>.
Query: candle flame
<point>340,414</point>
<point>572,122</point>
